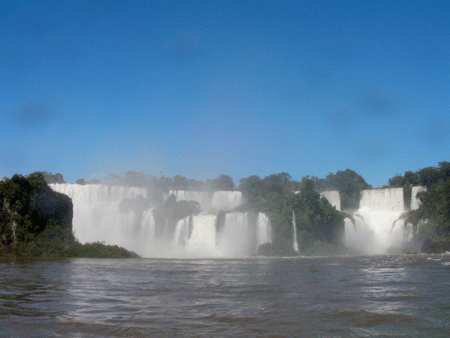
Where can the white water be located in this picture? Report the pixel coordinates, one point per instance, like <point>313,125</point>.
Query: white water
<point>379,228</point>
<point>294,233</point>
<point>415,201</point>
<point>226,200</point>
<point>219,200</point>
<point>202,197</point>
<point>97,218</point>
<point>263,229</point>
<point>333,197</point>
<point>202,241</point>
<point>235,239</point>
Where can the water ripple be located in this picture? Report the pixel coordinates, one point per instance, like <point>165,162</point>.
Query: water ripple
<point>381,296</point>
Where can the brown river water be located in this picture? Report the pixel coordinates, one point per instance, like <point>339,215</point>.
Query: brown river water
<point>368,296</point>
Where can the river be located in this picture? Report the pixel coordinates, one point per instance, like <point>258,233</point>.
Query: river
<point>367,296</point>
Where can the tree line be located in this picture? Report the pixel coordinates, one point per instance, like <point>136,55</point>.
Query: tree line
<point>319,225</point>
<point>36,222</point>
<point>432,219</point>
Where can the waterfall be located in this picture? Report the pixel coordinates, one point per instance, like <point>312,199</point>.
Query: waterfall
<point>334,197</point>
<point>226,200</point>
<point>118,215</point>
<point>203,232</point>
<point>294,230</point>
<point>219,200</point>
<point>202,197</point>
<point>263,230</point>
<point>97,216</point>
<point>415,201</point>
<point>236,237</point>
<point>379,227</point>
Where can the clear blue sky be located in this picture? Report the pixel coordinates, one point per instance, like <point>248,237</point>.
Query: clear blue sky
<point>203,88</point>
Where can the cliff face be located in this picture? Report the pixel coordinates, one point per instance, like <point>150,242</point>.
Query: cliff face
<point>27,206</point>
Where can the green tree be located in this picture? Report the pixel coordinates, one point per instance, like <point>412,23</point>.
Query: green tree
<point>170,212</point>
<point>250,187</point>
<point>27,205</point>
<point>396,181</point>
<point>435,209</point>
<point>428,176</point>
<point>349,184</point>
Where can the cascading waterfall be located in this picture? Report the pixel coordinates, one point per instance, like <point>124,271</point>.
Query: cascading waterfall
<point>218,200</point>
<point>415,201</point>
<point>123,216</point>
<point>235,238</point>
<point>379,227</point>
<point>239,236</point>
<point>202,197</point>
<point>97,216</point>
<point>263,229</point>
<point>294,232</point>
<point>226,200</point>
<point>202,238</point>
<point>119,215</point>
<point>333,197</point>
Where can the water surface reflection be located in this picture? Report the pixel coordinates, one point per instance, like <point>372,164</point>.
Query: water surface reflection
<point>305,297</point>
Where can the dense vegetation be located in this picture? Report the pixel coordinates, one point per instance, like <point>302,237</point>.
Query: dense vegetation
<point>318,223</point>
<point>36,222</point>
<point>170,212</point>
<point>348,183</point>
<point>432,219</point>
<point>164,183</point>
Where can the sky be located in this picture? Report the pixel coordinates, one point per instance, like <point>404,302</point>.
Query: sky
<point>204,88</point>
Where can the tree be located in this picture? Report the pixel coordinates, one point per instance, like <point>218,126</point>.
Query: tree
<point>250,187</point>
<point>27,205</point>
<point>428,176</point>
<point>396,181</point>
<point>137,179</point>
<point>50,178</point>
<point>349,184</point>
<point>164,183</point>
<point>179,182</point>
<point>170,212</point>
<point>222,182</point>
<point>444,170</point>
<point>432,219</point>
<point>193,184</point>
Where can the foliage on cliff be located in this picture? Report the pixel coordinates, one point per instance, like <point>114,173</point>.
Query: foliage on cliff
<point>170,212</point>
<point>426,177</point>
<point>348,183</point>
<point>28,205</point>
<point>164,183</point>
<point>36,222</point>
<point>432,219</point>
<point>316,220</point>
